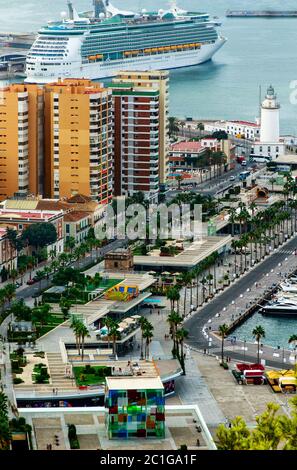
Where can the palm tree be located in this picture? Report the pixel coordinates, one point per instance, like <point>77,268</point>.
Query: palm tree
<point>148,335</point>
<point>173,126</point>
<point>83,332</point>
<point>293,340</point>
<point>258,334</point>
<point>232,218</point>
<point>272,181</point>
<point>174,319</point>
<point>187,282</point>
<point>114,334</point>
<point>179,179</point>
<point>200,127</point>
<point>223,332</point>
<point>181,335</point>
<point>173,295</point>
<point>108,322</point>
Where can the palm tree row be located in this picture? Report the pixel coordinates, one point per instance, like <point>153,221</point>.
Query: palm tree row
<point>113,332</point>
<point>4,423</point>
<point>261,231</point>
<point>80,332</point>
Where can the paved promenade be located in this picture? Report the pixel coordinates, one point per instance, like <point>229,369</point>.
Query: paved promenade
<point>231,304</point>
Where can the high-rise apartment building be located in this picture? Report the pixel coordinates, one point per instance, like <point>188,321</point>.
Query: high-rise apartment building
<point>21,140</point>
<point>140,132</point>
<point>78,140</point>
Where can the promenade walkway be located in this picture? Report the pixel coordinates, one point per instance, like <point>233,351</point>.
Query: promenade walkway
<point>230,305</point>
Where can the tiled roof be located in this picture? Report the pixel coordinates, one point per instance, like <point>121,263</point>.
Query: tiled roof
<point>75,216</point>
<point>246,123</point>
<point>50,205</point>
<point>79,199</point>
<point>186,147</point>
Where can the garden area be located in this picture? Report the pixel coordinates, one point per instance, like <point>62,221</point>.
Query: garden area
<point>76,287</point>
<point>32,323</point>
<point>91,375</point>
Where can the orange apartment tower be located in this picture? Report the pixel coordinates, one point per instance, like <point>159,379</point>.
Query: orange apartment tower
<point>78,140</point>
<point>21,140</point>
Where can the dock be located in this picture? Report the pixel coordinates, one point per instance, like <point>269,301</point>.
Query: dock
<point>13,52</point>
<point>261,14</point>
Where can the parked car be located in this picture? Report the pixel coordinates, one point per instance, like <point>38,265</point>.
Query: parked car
<point>31,281</point>
<point>232,178</point>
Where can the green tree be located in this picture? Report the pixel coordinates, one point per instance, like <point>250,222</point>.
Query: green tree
<point>9,290</point>
<point>20,310</point>
<point>65,306</point>
<point>258,334</point>
<point>40,235</point>
<point>70,244</point>
<point>41,314</point>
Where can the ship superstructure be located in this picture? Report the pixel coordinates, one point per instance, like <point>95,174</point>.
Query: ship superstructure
<point>100,43</point>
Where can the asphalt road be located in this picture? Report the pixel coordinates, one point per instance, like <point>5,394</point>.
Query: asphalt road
<point>216,185</point>
<point>45,283</point>
<point>195,324</point>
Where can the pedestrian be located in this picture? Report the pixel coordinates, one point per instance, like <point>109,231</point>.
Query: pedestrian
<point>53,391</point>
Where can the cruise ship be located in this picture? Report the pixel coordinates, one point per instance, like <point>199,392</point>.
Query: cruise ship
<point>98,44</point>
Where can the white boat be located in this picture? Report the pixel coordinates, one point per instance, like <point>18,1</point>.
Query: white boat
<point>287,287</point>
<point>103,42</point>
<point>282,306</point>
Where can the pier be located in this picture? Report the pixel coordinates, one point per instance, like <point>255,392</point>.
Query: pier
<point>261,14</point>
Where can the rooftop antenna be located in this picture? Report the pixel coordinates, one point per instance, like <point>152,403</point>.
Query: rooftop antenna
<point>99,7</point>
<point>70,9</point>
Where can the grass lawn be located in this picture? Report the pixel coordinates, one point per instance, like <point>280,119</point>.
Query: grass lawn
<point>91,375</point>
<point>104,284</point>
<point>55,320</point>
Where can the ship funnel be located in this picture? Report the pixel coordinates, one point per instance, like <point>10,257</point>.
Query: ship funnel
<point>70,9</point>
<point>99,7</point>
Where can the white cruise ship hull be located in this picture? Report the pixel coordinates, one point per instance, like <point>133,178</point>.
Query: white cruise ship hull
<point>102,70</point>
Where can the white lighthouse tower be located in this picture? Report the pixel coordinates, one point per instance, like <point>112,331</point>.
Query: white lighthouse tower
<point>271,145</point>
<point>270,118</point>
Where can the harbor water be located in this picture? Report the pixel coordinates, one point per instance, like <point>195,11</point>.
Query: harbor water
<point>259,51</point>
<point>278,329</point>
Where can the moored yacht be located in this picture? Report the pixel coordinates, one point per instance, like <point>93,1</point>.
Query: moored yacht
<point>281,306</point>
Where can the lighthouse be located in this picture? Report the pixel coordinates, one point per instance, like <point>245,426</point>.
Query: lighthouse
<point>270,118</point>
<point>270,145</point>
